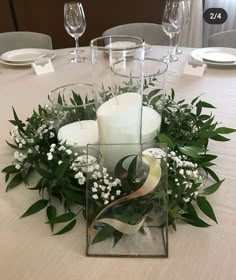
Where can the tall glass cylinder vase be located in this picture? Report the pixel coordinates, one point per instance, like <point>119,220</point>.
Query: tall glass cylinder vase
<point>154,73</point>
<point>153,97</point>
<point>116,61</point>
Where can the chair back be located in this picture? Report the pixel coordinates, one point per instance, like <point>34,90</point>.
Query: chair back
<point>151,33</point>
<point>24,39</point>
<point>223,39</point>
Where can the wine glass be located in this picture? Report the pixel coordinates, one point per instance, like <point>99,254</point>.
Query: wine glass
<point>75,25</point>
<point>172,21</point>
<point>186,14</point>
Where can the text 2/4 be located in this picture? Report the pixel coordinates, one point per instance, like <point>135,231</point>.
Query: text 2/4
<point>215,16</point>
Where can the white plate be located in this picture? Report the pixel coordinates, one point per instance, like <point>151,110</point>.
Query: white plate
<point>218,56</point>
<point>22,55</point>
<point>47,53</point>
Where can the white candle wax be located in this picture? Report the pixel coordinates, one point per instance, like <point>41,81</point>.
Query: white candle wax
<point>79,134</point>
<point>119,122</point>
<point>151,124</point>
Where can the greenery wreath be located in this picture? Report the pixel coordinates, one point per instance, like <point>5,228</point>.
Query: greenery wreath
<point>186,129</point>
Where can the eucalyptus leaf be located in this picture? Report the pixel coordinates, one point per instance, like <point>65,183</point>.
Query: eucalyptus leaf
<point>51,214</point>
<point>62,218</point>
<point>7,176</point>
<point>212,188</point>
<point>10,169</point>
<point>12,146</point>
<point>36,207</point>
<point>192,151</point>
<point>15,181</point>
<point>155,99</point>
<point>152,93</point>
<point>206,208</point>
<point>212,173</point>
<point>43,172</point>
<point>61,169</point>
<point>18,121</point>
<point>77,98</point>
<point>207,134</point>
<point>193,217</point>
<point>194,100</point>
<point>225,130</point>
<point>75,196</point>
<point>205,104</point>
<point>165,139</point>
<point>207,157</point>
<point>221,138</point>
<point>67,228</point>
<point>104,233</point>
<point>40,184</point>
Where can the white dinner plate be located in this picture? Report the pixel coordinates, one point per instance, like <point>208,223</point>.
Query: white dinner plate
<point>22,55</point>
<point>47,53</point>
<point>215,56</point>
<point>219,57</point>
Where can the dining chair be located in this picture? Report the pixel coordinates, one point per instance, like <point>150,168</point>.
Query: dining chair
<point>151,33</point>
<point>24,39</point>
<point>223,39</point>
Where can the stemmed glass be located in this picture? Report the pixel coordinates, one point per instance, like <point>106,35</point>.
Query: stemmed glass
<point>172,21</point>
<point>186,4</point>
<point>75,25</point>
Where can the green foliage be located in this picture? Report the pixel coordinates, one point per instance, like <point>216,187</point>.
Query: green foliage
<point>187,129</point>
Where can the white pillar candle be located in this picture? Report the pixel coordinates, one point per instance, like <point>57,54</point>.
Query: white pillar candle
<point>151,124</point>
<point>119,121</point>
<point>79,134</point>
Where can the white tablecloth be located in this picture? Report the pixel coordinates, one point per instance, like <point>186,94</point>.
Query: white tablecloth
<point>27,249</point>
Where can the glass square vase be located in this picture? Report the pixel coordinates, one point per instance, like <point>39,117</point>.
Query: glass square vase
<point>127,206</point>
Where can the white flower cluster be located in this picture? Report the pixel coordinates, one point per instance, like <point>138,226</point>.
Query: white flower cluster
<point>185,173</point>
<point>14,133</point>
<point>43,131</point>
<point>19,159</point>
<point>54,149</point>
<point>104,187</point>
<point>46,129</point>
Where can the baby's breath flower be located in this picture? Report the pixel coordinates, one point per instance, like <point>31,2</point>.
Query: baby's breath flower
<point>51,134</point>
<point>50,156</point>
<point>68,151</point>
<point>17,166</point>
<point>118,192</point>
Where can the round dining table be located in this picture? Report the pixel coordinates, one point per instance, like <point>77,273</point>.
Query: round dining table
<point>28,251</point>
